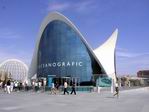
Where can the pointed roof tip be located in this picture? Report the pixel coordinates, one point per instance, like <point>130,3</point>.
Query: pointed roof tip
<point>116,30</point>
<point>55,13</point>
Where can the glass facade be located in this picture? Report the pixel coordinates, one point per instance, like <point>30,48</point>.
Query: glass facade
<point>62,53</point>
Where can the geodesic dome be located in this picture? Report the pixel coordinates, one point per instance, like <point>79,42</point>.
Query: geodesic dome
<point>17,69</point>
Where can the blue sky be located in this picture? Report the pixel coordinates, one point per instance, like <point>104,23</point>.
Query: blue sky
<point>96,19</point>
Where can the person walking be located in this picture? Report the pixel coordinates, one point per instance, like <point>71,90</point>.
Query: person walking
<point>15,86</point>
<point>1,83</point>
<point>39,85</point>
<point>11,86</point>
<point>53,90</point>
<point>26,86</point>
<point>36,86</point>
<point>44,85</point>
<point>8,86</point>
<point>116,90</point>
<point>65,88</point>
<point>73,88</point>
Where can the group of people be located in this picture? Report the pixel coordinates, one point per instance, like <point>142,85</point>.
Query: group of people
<point>12,85</point>
<point>37,85</point>
<point>55,88</point>
<point>73,88</point>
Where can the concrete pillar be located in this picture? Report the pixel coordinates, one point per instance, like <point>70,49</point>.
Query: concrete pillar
<point>112,86</point>
<point>98,89</point>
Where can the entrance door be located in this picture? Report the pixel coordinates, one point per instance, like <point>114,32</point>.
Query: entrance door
<point>50,80</point>
<point>69,80</point>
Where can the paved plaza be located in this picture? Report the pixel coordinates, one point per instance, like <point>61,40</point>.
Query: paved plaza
<point>136,100</point>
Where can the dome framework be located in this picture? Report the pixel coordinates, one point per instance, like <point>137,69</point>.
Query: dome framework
<point>15,69</point>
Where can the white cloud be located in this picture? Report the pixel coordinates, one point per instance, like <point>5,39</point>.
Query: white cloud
<point>131,62</point>
<point>132,65</point>
<point>6,53</point>
<point>84,6</point>
<point>124,53</point>
<point>127,54</point>
<point>80,6</point>
<point>8,34</point>
<point>11,51</point>
<point>58,6</point>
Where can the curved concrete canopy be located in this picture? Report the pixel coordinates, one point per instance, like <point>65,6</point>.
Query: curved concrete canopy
<point>106,55</point>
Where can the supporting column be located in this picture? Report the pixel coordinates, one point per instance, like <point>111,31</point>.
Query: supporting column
<point>112,86</point>
<point>98,89</point>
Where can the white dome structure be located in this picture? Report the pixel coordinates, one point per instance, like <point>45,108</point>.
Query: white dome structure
<point>17,69</point>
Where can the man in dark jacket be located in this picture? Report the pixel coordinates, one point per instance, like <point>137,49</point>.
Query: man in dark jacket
<point>8,86</point>
<point>73,88</point>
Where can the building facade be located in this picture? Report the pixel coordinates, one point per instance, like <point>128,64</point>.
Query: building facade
<point>143,73</point>
<point>62,51</point>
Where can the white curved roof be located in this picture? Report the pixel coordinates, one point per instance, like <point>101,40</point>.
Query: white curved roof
<point>16,68</point>
<point>106,54</point>
<point>46,21</point>
<point>14,60</point>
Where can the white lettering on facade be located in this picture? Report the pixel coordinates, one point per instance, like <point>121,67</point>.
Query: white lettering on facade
<point>61,64</point>
<point>80,63</point>
<point>68,64</point>
<point>54,64</point>
<point>58,64</point>
<point>73,63</point>
<point>49,64</point>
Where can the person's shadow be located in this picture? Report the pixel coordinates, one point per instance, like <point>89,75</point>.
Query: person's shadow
<point>109,97</point>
